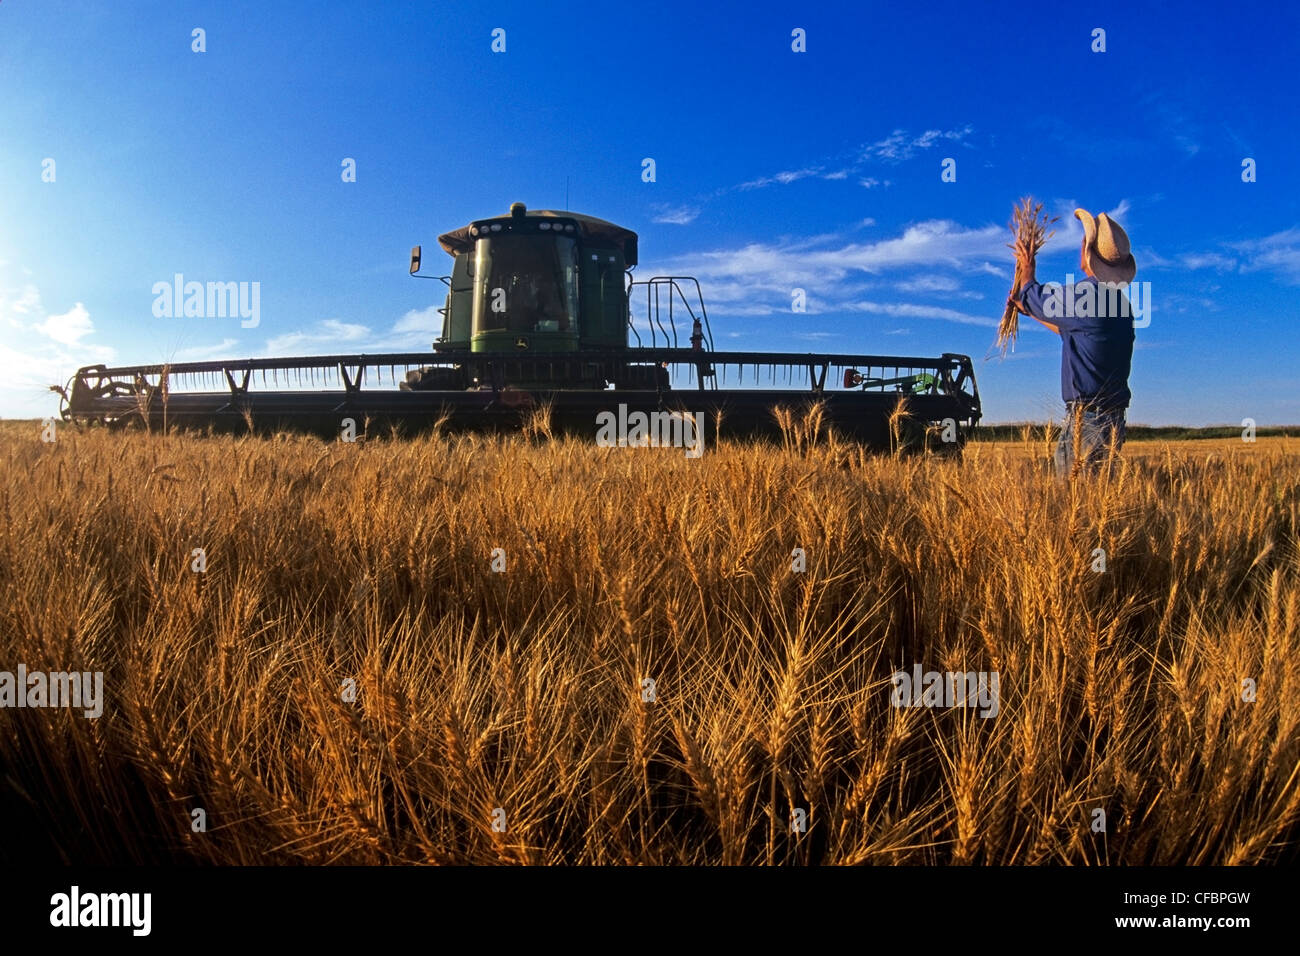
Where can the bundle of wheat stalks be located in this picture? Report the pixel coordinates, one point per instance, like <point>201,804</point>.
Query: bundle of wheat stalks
<point>1030,225</point>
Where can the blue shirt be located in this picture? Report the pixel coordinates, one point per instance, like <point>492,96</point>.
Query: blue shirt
<point>1096,325</point>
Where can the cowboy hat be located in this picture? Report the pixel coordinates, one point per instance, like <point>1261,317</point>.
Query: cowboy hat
<point>1105,248</point>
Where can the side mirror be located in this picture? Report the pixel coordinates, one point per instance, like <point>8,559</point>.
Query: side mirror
<point>415,259</point>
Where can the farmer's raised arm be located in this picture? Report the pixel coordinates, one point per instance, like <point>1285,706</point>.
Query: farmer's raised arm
<point>1033,300</point>
<point>1034,296</point>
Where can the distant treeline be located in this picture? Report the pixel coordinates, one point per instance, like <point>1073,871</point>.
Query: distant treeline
<point>1016,432</point>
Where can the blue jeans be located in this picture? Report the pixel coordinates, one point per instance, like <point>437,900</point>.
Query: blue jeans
<point>1095,428</point>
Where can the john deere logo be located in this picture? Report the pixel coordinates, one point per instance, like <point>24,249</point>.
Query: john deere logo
<point>521,343</point>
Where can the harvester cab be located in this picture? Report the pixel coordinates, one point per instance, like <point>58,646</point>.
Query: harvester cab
<point>542,281</point>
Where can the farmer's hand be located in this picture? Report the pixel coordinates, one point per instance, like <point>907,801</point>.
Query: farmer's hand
<point>1025,265</point>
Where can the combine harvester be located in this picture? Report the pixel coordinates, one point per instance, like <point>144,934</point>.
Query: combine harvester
<point>539,312</point>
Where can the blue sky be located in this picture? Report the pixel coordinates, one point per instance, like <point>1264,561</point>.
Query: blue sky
<point>775,170</point>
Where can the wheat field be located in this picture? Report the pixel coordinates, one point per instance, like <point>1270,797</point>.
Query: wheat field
<point>650,679</point>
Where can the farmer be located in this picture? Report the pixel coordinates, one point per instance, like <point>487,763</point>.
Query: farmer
<point>1095,322</point>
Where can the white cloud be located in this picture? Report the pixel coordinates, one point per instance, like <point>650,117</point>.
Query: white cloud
<point>911,310</point>
<point>23,301</point>
<point>784,178</point>
<point>1150,259</point>
<point>676,215</point>
<point>330,332</point>
<point>891,147</point>
<point>945,287</point>
<point>419,320</point>
<point>414,331</point>
<point>69,328</point>
<point>789,177</point>
<point>925,243</point>
<point>901,145</point>
<point>815,336</point>
<point>894,148</point>
<point>758,278</point>
<point>1278,253</point>
<point>1207,260</point>
<point>38,350</point>
<point>30,371</point>
<point>928,283</point>
<point>204,353</point>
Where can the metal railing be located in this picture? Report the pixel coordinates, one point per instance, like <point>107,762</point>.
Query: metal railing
<point>665,298</point>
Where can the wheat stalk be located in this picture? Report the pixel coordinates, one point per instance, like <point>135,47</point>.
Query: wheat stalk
<point>1030,225</point>
<point>774,687</point>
